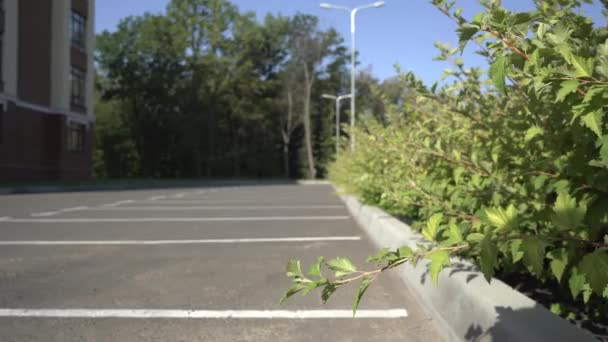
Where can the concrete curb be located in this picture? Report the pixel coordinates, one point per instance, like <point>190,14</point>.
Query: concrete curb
<point>464,306</point>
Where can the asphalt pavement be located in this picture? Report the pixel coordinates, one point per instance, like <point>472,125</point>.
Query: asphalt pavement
<point>194,264</point>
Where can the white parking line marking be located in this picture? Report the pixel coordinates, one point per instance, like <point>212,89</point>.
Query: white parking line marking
<point>116,204</point>
<point>205,314</point>
<point>4,218</point>
<point>52,213</point>
<point>74,209</point>
<point>47,213</point>
<point>155,208</point>
<point>156,198</point>
<point>180,242</point>
<point>180,219</point>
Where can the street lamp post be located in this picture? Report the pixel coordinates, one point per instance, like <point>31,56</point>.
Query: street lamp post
<point>353,13</point>
<point>338,99</point>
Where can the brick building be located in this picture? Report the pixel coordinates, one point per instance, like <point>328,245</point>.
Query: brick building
<point>46,89</point>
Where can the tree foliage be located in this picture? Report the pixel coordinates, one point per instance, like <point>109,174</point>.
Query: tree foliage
<point>207,91</point>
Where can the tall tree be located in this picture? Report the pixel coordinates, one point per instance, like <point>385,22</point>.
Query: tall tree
<point>310,47</point>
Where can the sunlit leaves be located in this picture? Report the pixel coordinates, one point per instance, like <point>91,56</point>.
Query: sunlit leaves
<point>503,218</point>
<point>341,266</point>
<point>593,120</point>
<point>439,259</point>
<point>465,33</point>
<point>432,227</point>
<point>567,213</point>
<point>498,71</point>
<point>365,283</point>
<point>566,88</point>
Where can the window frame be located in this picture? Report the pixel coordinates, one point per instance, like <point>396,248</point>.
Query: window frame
<point>75,140</point>
<point>78,85</point>
<point>78,30</point>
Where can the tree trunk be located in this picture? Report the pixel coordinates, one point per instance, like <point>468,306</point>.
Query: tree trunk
<point>312,172</point>
<point>286,131</point>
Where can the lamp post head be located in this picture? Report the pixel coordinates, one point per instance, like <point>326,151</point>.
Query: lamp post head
<point>327,96</point>
<point>378,3</point>
<point>326,6</point>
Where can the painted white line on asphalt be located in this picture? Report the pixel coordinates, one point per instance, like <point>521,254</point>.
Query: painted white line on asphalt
<point>177,208</point>
<point>116,204</point>
<point>52,213</point>
<point>180,242</point>
<point>180,219</point>
<point>44,214</point>
<point>205,314</point>
<point>4,218</point>
<point>180,195</point>
<point>74,209</point>
<point>156,198</point>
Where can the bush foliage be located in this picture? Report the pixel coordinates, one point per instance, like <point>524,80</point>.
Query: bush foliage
<point>508,167</point>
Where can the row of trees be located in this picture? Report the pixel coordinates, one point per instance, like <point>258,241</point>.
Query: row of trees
<point>206,91</point>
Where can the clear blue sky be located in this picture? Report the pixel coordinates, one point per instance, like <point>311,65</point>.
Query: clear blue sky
<point>401,33</point>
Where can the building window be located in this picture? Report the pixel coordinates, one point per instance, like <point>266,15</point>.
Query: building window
<point>76,133</point>
<point>78,30</point>
<point>78,86</point>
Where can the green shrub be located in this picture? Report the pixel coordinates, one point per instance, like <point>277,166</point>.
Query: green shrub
<point>510,170</point>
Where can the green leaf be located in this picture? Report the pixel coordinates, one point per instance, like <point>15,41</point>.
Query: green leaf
<point>315,269</point>
<point>295,288</point>
<point>542,29</point>
<point>595,268</point>
<point>583,67</point>
<point>432,227</point>
<point>342,266</point>
<point>328,290</point>
<point>576,282</point>
<point>532,132</point>
<point>559,262</point>
<point>534,254</point>
<point>540,181</point>
<point>516,252</point>
<point>294,269</point>
<point>380,256</point>
<point>593,121</point>
<point>458,12</point>
<point>405,252</point>
<point>503,218</point>
<point>454,235</point>
<point>439,259</point>
<point>475,237</point>
<point>478,18</point>
<point>488,256</point>
<point>566,88</point>
<point>497,73</point>
<point>365,283</point>
<point>465,33</point>
<point>567,215</point>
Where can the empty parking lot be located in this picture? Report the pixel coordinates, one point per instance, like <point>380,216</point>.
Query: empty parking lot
<point>195,264</point>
